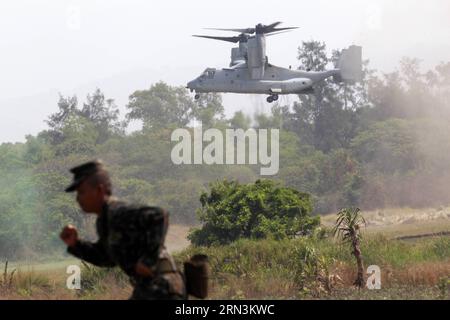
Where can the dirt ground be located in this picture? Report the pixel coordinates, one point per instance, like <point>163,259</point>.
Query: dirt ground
<point>399,222</point>
<point>177,238</point>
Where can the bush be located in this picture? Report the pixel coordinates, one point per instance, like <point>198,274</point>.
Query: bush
<point>258,210</point>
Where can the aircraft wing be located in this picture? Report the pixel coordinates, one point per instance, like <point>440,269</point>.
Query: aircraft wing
<point>239,65</point>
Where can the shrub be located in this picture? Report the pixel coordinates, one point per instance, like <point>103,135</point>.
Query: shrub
<point>258,210</point>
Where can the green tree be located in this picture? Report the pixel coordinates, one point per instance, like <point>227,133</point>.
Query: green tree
<point>97,113</point>
<point>67,108</point>
<point>104,115</point>
<point>240,121</point>
<point>328,118</point>
<point>161,105</point>
<point>209,109</point>
<point>388,147</point>
<point>37,150</point>
<point>80,137</point>
<point>272,120</point>
<point>258,210</point>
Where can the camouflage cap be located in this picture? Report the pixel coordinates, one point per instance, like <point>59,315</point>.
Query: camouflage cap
<point>82,172</point>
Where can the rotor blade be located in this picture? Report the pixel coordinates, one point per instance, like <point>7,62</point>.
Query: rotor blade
<point>248,30</point>
<point>275,33</point>
<point>281,29</point>
<point>273,25</point>
<point>228,39</point>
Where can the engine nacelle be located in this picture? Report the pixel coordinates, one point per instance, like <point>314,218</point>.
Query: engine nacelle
<point>256,57</point>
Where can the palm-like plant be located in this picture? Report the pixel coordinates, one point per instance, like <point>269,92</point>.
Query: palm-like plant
<point>348,226</point>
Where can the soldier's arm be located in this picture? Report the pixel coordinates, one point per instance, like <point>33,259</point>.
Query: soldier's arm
<point>94,253</point>
<point>150,258</point>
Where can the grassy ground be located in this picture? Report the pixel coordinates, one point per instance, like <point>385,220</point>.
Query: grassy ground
<point>324,269</point>
<point>292,269</point>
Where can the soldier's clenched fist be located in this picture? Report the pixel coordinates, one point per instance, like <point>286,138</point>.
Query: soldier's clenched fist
<point>69,235</point>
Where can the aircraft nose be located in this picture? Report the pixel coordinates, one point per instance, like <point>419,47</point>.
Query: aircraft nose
<point>191,84</point>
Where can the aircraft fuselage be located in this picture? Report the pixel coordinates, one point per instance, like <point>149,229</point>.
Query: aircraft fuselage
<point>276,80</point>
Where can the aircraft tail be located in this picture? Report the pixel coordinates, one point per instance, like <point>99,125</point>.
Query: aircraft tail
<point>350,64</point>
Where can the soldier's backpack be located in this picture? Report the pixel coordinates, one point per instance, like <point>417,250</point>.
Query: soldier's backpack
<point>196,270</point>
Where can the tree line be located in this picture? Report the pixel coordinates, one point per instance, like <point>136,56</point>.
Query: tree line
<point>379,143</point>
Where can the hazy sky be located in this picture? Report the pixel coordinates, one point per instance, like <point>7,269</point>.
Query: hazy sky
<point>120,46</point>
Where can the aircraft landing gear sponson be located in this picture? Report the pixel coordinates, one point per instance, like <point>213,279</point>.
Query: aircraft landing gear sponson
<point>272,98</point>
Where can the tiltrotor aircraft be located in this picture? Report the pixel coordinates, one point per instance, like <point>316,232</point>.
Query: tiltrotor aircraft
<point>250,71</point>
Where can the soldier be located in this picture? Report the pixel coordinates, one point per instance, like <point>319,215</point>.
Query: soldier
<point>131,237</point>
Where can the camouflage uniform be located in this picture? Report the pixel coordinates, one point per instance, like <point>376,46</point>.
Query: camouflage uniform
<point>131,234</point>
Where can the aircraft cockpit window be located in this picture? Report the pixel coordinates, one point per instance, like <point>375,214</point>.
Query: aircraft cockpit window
<point>208,73</point>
